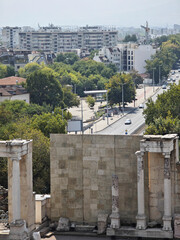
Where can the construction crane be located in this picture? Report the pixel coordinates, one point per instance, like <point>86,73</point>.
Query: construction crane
<point>147,30</point>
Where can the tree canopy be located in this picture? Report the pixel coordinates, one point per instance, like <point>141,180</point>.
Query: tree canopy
<point>30,121</point>
<point>163,116</point>
<point>130,38</point>
<point>6,71</point>
<point>114,88</point>
<point>44,87</point>
<point>67,58</point>
<point>165,58</point>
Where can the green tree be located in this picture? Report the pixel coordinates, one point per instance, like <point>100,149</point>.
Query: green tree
<point>28,69</point>
<point>70,99</point>
<point>165,58</point>
<point>130,38</point>
<point>165,105</point>
<point>41,154</point>
<point>137,79</point>
<point>164,126</point>
<point>67,58</point>
<point>91,101</point>
<point>44,87</point>
<point>163,116</point>
<point>6,71</point>
<point>90,67</point>
<point>4,172</point>
<point>49,123</point>
<point>115,89</point>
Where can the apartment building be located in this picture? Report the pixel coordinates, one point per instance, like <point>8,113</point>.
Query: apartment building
<point>110,55</point>
<point>54,39</point>
<point>10,37</point>
<point>126,56</point>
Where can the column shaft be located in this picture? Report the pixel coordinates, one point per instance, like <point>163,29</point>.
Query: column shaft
<point>16,198</point>
<point>141,218</point>
<point>167,195</point>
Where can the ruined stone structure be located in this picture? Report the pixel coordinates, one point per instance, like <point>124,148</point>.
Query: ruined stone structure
<point>21,202</point>
<point>146,170</point>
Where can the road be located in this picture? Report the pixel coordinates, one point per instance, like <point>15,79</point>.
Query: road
<point>136,116</point>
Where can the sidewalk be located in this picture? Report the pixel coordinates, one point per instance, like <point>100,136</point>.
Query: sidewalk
<point>100,123</point>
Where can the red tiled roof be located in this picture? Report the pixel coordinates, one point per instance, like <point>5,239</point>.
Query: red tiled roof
<point>3,92</point>
<point>11,81</point>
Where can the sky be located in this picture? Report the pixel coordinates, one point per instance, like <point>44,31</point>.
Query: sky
<point>122,13</point>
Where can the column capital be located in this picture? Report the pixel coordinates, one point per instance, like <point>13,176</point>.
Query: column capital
<point>15,159</point>
<point>166,154</point>
<point>139,153</point>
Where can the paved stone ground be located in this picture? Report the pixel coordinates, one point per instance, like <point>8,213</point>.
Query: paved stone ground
<point>60,237</point>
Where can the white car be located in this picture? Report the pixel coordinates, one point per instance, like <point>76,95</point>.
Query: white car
<point>141,105</point>
<point>128,121</point>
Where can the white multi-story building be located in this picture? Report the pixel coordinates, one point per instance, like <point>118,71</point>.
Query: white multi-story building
<point>57,40</point>
<point>54,39</point>
<point>126,56</point>
<point>10,37</point>
<point>110,55</point>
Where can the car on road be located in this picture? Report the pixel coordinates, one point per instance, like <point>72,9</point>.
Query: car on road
<point>163,86</point>
<point>128,121</point>
<point>141,105</point>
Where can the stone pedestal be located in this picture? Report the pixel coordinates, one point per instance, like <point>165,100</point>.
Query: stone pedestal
<point>63,225</point>
<point>102,223</point>
<point>115,216</point>
<point>18,230</point>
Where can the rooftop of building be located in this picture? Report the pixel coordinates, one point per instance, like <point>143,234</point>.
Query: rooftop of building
<point>9,81</point>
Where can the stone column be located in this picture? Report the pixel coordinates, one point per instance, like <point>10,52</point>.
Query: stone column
<point>16,197</point>
<point>177,149</point>
<point>141,218</point>
<point>167,194</point>
<point>115,216</point>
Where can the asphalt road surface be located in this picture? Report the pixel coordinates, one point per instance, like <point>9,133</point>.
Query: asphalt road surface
<point>136,116</point>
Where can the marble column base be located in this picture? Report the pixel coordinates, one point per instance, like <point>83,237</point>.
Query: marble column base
<point>115,220</point>
<point>18,230</point>
<point>167,223</point>
<point>141,222</point>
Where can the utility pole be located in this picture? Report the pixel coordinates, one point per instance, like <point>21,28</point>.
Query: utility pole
<point>123,98</point>
<point>107,108</point>
<point>153,78</point>
<point>144,92</point>
<point>82,115</point>
<point>159,75</point>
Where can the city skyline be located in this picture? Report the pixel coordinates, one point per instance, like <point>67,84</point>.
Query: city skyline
<point>161,13</point>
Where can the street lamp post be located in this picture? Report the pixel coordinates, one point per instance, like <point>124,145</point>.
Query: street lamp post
<point>160,75</point>
<point>107,108</point>
<point>144,91</point>
<point>123,96</point>
<point>82,115</point>
<point>153,78</point>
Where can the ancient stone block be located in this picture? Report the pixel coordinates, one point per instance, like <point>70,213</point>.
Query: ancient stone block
<point>36,236</point>
<point>63,225</point>
<point>102,223</point>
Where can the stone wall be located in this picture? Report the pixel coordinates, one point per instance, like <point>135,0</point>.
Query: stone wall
<point>81,176</point>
